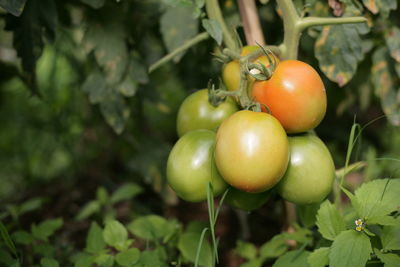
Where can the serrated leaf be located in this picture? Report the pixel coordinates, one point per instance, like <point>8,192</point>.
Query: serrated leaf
<point>187,245</point>
<point>246,250</point>
<point>377,198</point>
<point>128,257</point>
<point>125,192</point>
<point>94,241</point>
<point>151,227</point>
<point>389,259</point>
<point>380,6</point>
<point>177,26</point>
<point>94,3</point>
<point>213,29</point>
<point>295,258</point>
<point>385,85</point>
<point>274,248</point>
<point>45,229</point>
<point>22,237</point>
<point>108,43</point>
<point>390,237</point>
<point>90,208</point>
<point>319,257</point>
<point>350,249</point>
<point>115,111</point>
<point>115,234</point>
<point>48,262</point>
<point>393,42</point>
<point>15,7</point>
<point>339,50</point>
<point>329,221</point>
<point>308,214</point>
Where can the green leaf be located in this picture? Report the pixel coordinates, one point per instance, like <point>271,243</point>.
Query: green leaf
<point>380,6</point>
<point>177,26</point>
<point>30,205</point>
<point>253,263</point>
<point>377,198</point>
<point>22,237</point>
<point>15,7</point>
<point>94,3</point>
<point>115,111</point>
<point>115,234</point>
<point>84,261</point>
<point>48,262</point>
<point>94,241</point>
<point>339,50</point>
<point>393,42</point>
<point>389,259</point>
<point>151,227</point>
<point>308,214</point>
<point>90,208</point>
<point>128,257</point>
<point>385,86</point>
<point>329,221</point>
<point>383,220</point>
<point>187,245</point>
<point>7,239</point>
<point>125,192</point>
<point>102,195</point>
<point>149,258</point>
<point>213,29</point>
<point>6,257</point>
<point>350,249</point>
<point>295,258</point>
<point>319,257</point>
<point>274,248</point>
<point>45,250</point>
<point>390,237</point>
<point>104,260</point>
<point>45,229</point>
<point>95,86</point>
<point>246,250</point>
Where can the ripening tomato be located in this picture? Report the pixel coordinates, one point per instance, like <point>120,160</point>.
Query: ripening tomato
<point>231,70</point>
<point>311,171</point>
<point>295,95</point>
<point>251,151</point>
<point>191,166</point>
<point>246,201</point>
<point>197,113</point>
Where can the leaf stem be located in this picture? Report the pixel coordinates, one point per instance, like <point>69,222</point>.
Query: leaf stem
<point>214,12</point>
<point>189,43</point>
<point>316,21</point>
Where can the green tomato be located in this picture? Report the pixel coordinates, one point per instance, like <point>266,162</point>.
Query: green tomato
<point>197,113</point>
<point>191,166</point>
<point>246,201</point>
<point>310,173</point>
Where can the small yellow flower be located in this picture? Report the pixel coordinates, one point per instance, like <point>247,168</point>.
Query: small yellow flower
<point>359,228</point>
<point>358,222</point>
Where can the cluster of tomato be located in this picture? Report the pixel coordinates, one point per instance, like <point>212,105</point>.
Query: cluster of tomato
<point>255,153</point>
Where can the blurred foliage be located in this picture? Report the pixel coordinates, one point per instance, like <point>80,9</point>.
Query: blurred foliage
<point>86,130</point>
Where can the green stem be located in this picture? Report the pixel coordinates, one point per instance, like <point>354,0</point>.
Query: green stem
<point>197,39</point>
<point>316,21</point>
<point>214,13</point>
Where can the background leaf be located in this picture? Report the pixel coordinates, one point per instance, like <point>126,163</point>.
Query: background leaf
<point>94,241</point>
<point>380,6</point>
<point>329,221</point>
<point>295,258</point>
<point>319,257</point>
<point>15,7</point>
<point>187,245</point>
<point>350,249</point>
<point>389,259</point>
<point>213,29</point>
<point>115,234</point>
<point>390,237</point>
<point>45,229</point>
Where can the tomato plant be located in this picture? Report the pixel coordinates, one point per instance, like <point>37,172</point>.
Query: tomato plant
<point>310,174</point>
<point>295,95</point>
<point>197,113</point>
<point>190,166</point>
<point>251,151</point>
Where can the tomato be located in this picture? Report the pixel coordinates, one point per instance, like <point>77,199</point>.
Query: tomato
<point>295,95</point>
<point>231,70</point>
<point>246,201</point>
<point>310,173</point>
<point>197,113</point>
<point>251,151</point>
<point>190,166</point>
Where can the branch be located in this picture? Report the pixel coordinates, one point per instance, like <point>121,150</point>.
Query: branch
<point>251,22</point>
<point>197,39</point>
<point>316,21</point>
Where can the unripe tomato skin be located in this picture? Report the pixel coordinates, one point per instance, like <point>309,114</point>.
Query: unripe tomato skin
<point>190,166</point>
<point>251,151</point>
<point>196,112</point>
<point>295,95</point>
<point>246,201</point>
<point>310,173</point>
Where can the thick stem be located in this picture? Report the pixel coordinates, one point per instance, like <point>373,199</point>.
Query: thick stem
<point>197,39</point>
<point>292,33</point>
<point>251,22</point>
<point>316,21</point>
<point>214,13</point>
